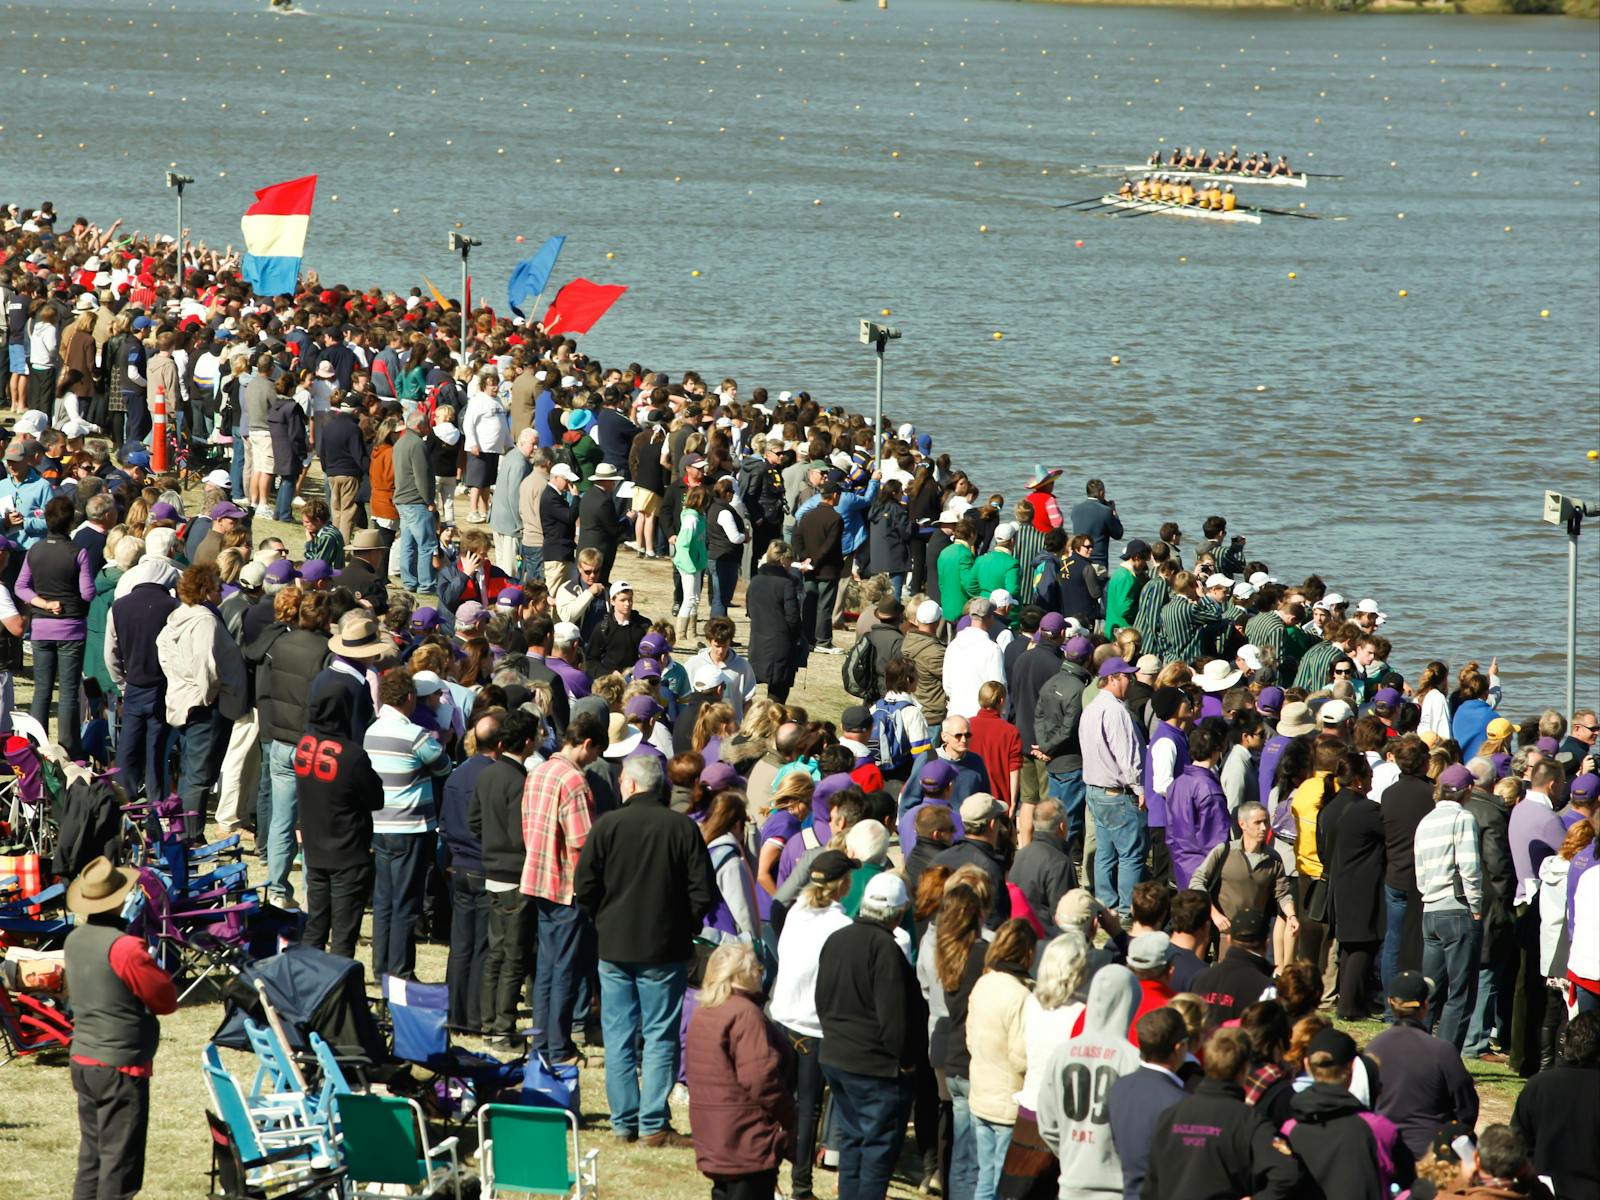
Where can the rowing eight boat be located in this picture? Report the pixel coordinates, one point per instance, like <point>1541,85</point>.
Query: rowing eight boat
<point>1298,181</point>
<point>1239,216</point>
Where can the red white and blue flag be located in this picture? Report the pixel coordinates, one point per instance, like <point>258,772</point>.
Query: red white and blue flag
<point>275,236</point>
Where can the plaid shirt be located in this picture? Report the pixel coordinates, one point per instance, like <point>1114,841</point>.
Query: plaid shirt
<point>1147,619</point>
<point>557,811</point>
<point>1259,1080</point>
<point>1027,546</point>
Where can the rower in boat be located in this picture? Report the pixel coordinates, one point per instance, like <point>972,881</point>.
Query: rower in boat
<point>1186,192</point>
<point>1154,160</point>
<point>1281,167</point>
<point>1175,159</point>
<point>1229,200</point>
<point>1126,190</point>
<point>1202,161</point>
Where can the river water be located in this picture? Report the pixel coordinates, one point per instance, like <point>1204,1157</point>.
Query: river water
<point>685,137</point>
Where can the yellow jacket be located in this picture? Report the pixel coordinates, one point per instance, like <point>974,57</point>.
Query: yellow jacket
<point>1305,804</point>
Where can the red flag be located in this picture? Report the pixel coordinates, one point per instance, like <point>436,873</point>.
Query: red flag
<point>579,305</point>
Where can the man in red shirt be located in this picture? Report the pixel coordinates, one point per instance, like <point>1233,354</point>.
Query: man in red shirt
<point>117,992</point>
<point>997,742</point>
<point>1149,959</point>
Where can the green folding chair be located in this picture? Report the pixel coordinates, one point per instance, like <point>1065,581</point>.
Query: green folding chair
<point>526,1151</point>
<point>383,1141</point>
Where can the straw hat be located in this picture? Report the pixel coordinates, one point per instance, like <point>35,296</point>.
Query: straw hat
<point>100,887</point>
<point>358,637</point>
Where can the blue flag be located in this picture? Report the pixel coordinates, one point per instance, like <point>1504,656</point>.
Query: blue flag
<point>531,274</point>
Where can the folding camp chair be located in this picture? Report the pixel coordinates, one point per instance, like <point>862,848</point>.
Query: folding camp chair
<point>418,1014</point>
<point>270,1126</point>
<point>533,1151</point>
<point>241,1174</point>
<point>28,1025</point>
<point>333,1083</point>
<point>273,1113</point>
<point>383,1140</point>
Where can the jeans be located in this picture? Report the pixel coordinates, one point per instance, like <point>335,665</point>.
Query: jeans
<point>469,937</point>
<point>505,960</point>
<point>807,1104</point>
<point>724,581</point>
<point>1119,847</point>
<point>872,1127</point>
<point>897,580</point>
<point>113,1118</point>
<point>1397,907</point>
<point>142,745</point>
<point>336,897</point>
<point>401,872</point>
<point>641,1005</point>
<point>1483,1021</point>
<point>532,564</point>
<point>236,461</point>
<point>555,978</point>
<point>1450,943</point>
<point>963,1140</point>
<point>1067,787</point>
<point>205,741</point>
<point>418,541</point>
<point>63,661</point>
<point>993,1141</point>
<point>285,815</point>
<point>283,502</point>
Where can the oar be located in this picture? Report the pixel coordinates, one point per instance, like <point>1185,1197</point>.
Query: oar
<point>1086,200</point>
<point>1304,216</point>
<point>1318,175</point>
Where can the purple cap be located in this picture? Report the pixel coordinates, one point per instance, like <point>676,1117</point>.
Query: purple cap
<point>653,645</point>
<point>1078,648</point>
<point>508,598</point>
<point>1115,666</point>
<point>1387,698</point>
<point>281,570</point>
<point>315,570</point>
<point>720,775</point>
<point>1584,787</point>
<point>470,613</point>
<point>647,668</point>
<point>642,706</point>
<point>162,511</point>
<point>1052,622</point>
<point>937,775</point>
<point>1456,778</point>
<point>1547,746</point>
<point>425,618</point>
<point>1270,700</point>
<point>223,508</point>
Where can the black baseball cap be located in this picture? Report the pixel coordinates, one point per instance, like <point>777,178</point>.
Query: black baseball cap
<point>829,866</point>
<point>1410,987</point>
<point>856,717</point>
<point>1338,1047</point>
<point>1249,926</point>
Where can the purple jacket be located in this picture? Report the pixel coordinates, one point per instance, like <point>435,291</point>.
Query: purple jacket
<point>1535,833</point>
<point>1197,820</point>
<point>1154,802</point>
<point>796,847</point>
<point>907,826</point>
<point>1270,754</point>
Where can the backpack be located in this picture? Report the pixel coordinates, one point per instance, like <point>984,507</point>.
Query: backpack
<point>1044,579</point>
<point>859,672</point>
<point>890,746</point>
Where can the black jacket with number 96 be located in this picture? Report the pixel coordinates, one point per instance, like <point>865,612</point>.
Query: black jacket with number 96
<point>337,788</point>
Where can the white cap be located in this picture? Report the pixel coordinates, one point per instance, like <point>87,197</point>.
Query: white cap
<point>72,428</point>
<point>1334,712</point>
<point>1332,600</point>
<point>783,397</point>
<point>1260,578</point>
<point>703,676</point>
<point>427,683</point>
<point>617,588</point>
<point>566,633</point>
<point>1004,532</point>
<point>220,478</point>
<point>886,890</point>
<point>950,516</point>
<point>929,612</point>
<point>568,381</point>
<point>1244,590</point>
<point>562,471</point>
<point>1250,657</point>
<point>1369,605</point>
<point>1221,581</point>
<point>31,422</point>
<point>1001,598</point>
<point>906,432</point>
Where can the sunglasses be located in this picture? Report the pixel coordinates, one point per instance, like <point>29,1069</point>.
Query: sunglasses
<point>1343,671</point>
<point>961,735</point>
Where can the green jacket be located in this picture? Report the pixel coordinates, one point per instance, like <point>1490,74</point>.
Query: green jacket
<point>1000,569</point>
<point>689,552</point>
<point>958,579</point>
<point>94,644</point>
<point>1122,599</point>
<point>588,456</point>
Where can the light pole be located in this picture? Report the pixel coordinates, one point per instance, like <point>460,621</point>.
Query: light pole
<point>1563,510</point>
<point>877,336</point>
<point>175,180</point>
<point>464,244</point>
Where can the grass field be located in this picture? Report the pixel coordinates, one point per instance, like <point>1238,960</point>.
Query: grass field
<point>38,1128</point>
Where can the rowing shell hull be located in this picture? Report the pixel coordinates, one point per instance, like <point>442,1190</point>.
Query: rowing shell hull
<point>1297,181</point>
<point>1160,208</point>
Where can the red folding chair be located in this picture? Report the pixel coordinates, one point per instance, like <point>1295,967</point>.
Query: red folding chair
<point>28,1025</point>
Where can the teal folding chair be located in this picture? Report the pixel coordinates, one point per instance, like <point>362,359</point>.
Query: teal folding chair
<point>333,1084</point>
<point>528,1151</point>
<point>383,1141</point>
<point>293,1149</point>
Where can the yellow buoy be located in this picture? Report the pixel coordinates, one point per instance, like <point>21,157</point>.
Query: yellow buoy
<point>816,203</point>
<point>883,312</point>
<point>610,255</point>
<point>983,229</point>
<point>1544,312</point>
<point>694,274</point>
<point>1404,293</point>
<point>998,335</point>
<point>1183,258</point>
<point>1594,454</point>
<point>1292,275</point>
<point>1116,360</point>
<point>1508,229</point>
<point>1399,216</point>
<point>896,216</point>
<point>1416,420</point>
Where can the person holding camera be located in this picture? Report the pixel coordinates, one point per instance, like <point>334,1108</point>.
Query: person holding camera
<point>1097,517</point>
